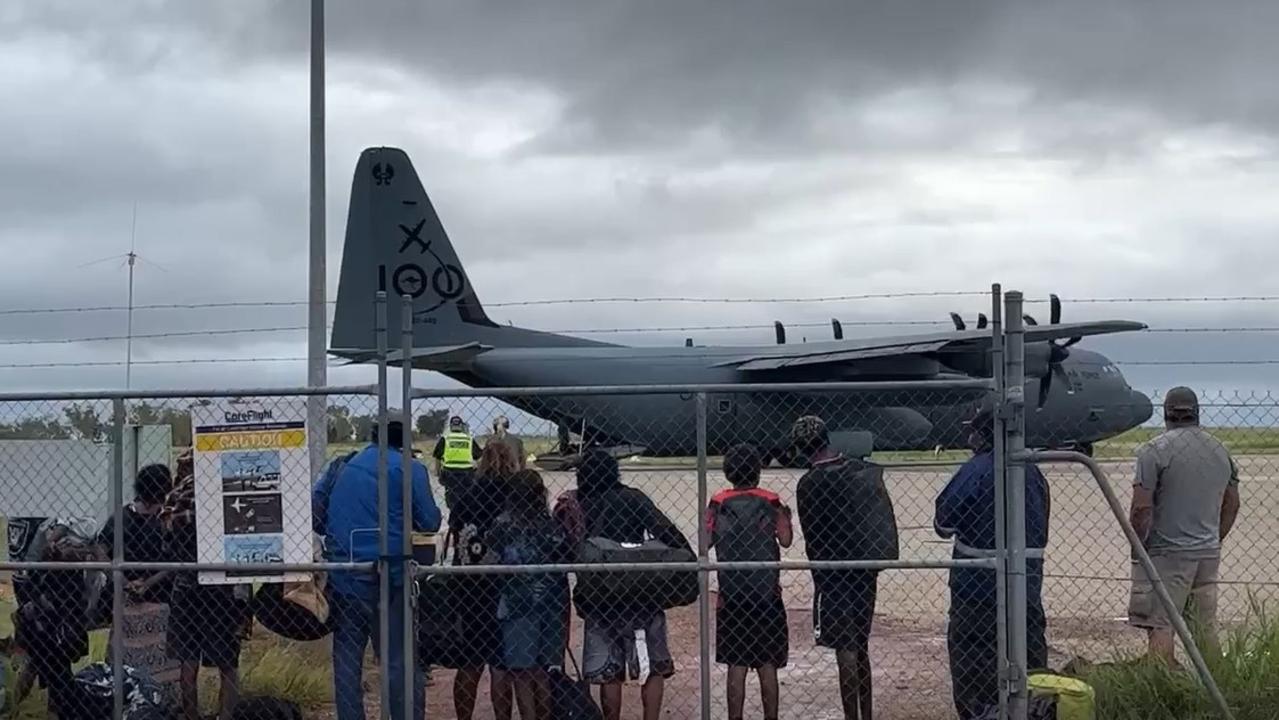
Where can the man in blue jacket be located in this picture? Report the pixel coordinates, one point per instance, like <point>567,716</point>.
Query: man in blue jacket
<point>965,511</point>
<point>351,535</point>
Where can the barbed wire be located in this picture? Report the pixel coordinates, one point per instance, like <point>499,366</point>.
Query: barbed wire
<point>667,299</point>
<point>214,361</point>
<point>590,331</point>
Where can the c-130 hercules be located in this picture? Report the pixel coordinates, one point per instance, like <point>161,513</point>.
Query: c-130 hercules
<point>395,242</point>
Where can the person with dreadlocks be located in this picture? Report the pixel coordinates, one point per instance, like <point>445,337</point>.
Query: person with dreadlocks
<point>207,623</point>
<point>845,513</point>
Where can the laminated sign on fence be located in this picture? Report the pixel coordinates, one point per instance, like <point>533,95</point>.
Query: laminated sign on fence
<point>252,486</point>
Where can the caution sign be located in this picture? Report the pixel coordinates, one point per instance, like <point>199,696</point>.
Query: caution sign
<point>252,487</point>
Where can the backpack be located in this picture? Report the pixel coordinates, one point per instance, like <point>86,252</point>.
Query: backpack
<point>1069,697</point>
<point>324,490</point>
<point>568,513</point>
<point>746,531</point>
<point>1054,697</point>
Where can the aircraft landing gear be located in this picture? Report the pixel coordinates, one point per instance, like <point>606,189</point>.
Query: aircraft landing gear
<point>1084,448</point>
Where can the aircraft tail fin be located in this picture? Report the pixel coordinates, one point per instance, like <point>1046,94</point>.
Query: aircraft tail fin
<point>395,242</point>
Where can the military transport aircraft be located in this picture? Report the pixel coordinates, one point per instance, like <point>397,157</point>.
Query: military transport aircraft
<point>395,242</point>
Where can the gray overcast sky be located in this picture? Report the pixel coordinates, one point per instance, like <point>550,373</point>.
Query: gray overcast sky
<point>743,148</point>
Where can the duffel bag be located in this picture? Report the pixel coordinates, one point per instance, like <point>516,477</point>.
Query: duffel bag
<point>658,589</point>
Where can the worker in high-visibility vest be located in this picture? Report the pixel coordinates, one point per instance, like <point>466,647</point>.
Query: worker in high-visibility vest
<point>455,456</point>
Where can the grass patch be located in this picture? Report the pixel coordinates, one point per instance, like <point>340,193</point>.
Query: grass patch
<point>1247,673</point>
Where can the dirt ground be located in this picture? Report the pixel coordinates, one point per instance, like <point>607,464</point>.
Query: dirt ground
<point>1085,594</point>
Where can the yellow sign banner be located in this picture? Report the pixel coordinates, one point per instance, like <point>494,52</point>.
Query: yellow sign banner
<point>256,440</point>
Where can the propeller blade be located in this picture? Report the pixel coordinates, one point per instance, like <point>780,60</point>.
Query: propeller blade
<point>1054,304</point>
<point>981,321</point>
<point>958,321</point>
<point>1045,384</point>
<point>838,327</point>
<point>1029,320</point>
<point>1071,341</point>
<point>1059,370</point>
<point>780,331</point>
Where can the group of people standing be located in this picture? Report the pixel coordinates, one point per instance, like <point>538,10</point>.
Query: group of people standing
<point>202,625</point>
<point>516,626</point>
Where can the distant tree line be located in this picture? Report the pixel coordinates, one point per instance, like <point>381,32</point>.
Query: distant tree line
<point>87,421</point>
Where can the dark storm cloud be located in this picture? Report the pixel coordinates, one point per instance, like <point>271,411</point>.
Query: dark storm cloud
<point>747,148</point>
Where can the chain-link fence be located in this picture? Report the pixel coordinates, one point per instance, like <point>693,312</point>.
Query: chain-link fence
<point>879,546</point>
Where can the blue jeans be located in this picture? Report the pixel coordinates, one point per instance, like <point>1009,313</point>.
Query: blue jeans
<point>355,624</point>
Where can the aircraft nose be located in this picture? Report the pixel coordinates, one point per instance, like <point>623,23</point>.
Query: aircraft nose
<point>1142,408</point>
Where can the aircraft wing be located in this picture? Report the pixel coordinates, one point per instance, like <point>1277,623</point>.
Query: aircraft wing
<point>789,356</point>
<point>422,358</point>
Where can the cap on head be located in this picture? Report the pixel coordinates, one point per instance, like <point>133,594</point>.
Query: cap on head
<point>1181,404</point>
<point>456,421</point>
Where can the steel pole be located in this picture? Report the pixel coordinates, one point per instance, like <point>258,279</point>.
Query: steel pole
<point>1015,495</point>
<point>406,504</point>
<point>1001,548</point>
<point>317,308</point>
<point>1148,565</point>
<point>383,493</point>
<point>703,557</point>
<point>117,557</point>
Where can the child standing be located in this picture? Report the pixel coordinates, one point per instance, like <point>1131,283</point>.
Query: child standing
<point>531,607</point>
<point>749,524</point>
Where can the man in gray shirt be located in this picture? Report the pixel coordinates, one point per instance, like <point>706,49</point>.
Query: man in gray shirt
<point>1184,503</point>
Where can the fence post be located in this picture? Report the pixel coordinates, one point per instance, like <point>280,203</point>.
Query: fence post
<point>1001,547</point>
<point>703,557</point>
<point>1015,495</point>
<point>406,506</point>
<point>383,493</point>
<point>117,557</point>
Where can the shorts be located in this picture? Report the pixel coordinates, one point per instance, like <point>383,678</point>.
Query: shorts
<point>752,633</point>
<point>534,640</point>
<point>843,611</point>
<point>206,626</point>
<point>1190,581</point>
<point>614,651</point>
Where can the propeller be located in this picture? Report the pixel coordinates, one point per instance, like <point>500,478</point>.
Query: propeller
<point>780,331</point>
<point>1057,352</point>
<point>959,321</point>
<point>838,327</point>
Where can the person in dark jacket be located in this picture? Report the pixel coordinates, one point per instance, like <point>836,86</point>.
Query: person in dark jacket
<point>476,508</point>
<point>966,512</point>
<point>845,513</point>
<point>51,627</point>
<point>614,634</point>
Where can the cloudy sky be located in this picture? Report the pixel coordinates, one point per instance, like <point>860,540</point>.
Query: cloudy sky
<point>714,149</point>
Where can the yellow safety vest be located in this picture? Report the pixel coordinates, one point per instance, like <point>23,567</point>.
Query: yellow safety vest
<point>457,452</point>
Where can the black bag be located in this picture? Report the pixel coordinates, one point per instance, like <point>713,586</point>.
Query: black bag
<point>439,615</point>
<point>658,590</point>
<point>571,698</point>
<point>286,618</point>
<point>746,531</point>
